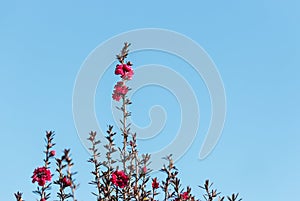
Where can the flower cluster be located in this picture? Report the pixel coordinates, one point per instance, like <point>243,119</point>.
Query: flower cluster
<point>119,178</point>
<point>124,70</point>
<point>41,175</point>
<point>120,90</point>
<point>126,73</point>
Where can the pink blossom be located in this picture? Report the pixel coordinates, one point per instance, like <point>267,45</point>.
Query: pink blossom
<point>120,90</point>
<point>41,175</point>
<point>66,181</point>
<point>125,71</point>
<point>155,183</point>
<point>119,178</point>
<point>128,75</point>
<point>116,97</point>
<point>144,169</point>
<point>52,153</point>
<point>184,195</point>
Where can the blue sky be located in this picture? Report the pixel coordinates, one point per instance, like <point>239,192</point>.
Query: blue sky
<point>254,44</point>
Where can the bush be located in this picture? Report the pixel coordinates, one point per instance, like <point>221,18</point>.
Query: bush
<point>129,181</point>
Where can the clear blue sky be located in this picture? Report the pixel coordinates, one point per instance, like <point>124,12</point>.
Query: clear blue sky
<point>255,45</point>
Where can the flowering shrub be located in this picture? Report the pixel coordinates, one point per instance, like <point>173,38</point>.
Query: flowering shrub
<point>131,180</point>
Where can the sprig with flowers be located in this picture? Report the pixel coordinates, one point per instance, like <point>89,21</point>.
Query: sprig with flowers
<point>129,181</point>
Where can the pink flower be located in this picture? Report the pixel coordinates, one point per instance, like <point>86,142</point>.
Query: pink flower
<point>128,75</point>
<point>43,199</point>
<point>184,195</point>
<point>127,67</point>
<point>52,153</point>
<point>119,70</point>
<point>119,178</point>
<point>120,90</point>
<point>125,71</point>
<point>116,97</point>
<point>144,169</point>
<point>155,183</point>
<point>41,175</point>
<point>66,181</point>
